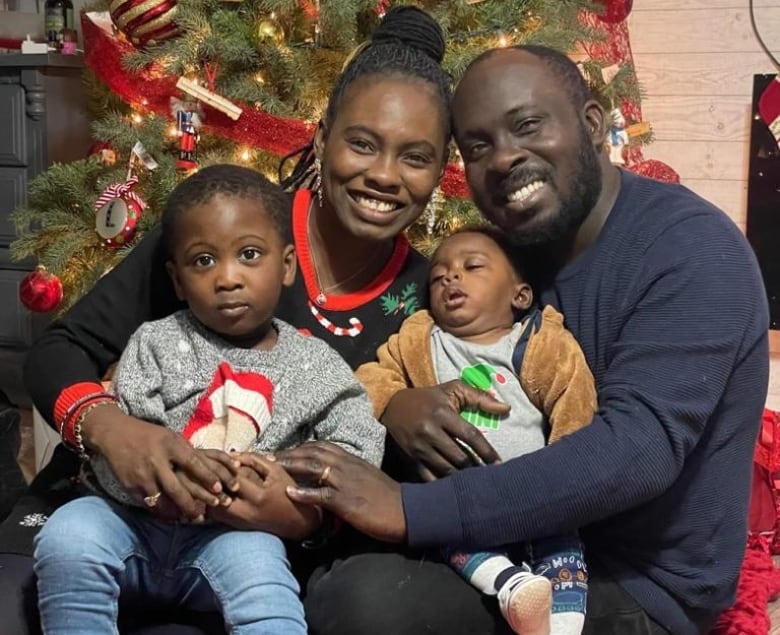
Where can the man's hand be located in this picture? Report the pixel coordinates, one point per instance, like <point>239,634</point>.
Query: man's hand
<point>425,423</point>
<point>351,488</point>
<point>147,459</point>
<point>261,502</point>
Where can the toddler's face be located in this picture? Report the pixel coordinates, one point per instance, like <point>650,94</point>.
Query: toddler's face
<point>229,263</point>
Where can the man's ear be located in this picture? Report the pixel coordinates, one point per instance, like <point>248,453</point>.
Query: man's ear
<point>290,264</point>
<point>595,122</point>
<point>524,296</point>
<point>174,274</point>
<point>320,136</point>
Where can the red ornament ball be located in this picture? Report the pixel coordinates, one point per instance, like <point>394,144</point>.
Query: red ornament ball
<point>40,291</point>
<point>145,21</point>
<point>615,10</point>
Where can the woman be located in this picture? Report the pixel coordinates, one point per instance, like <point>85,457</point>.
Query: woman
<point>372,166</point>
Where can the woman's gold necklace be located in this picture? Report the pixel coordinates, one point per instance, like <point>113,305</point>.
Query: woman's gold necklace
<point>322,298</point>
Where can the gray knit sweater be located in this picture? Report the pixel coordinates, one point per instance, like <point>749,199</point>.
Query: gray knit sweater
<point>176,373</point>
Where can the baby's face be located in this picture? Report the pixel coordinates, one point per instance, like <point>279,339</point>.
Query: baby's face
<point>473,287</point>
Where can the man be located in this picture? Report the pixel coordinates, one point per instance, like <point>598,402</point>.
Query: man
<point>664,296</point>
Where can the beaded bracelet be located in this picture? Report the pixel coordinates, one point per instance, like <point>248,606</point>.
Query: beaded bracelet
<point>78,446</point>
<point>75,415</point>
<point>66,422</point>
<point>65,403</point>
<point>78,403</point>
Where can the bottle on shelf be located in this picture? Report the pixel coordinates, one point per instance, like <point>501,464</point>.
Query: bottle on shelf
<point>59,17</point>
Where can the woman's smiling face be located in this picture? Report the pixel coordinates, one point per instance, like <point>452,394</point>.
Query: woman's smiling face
<point>382,155</point>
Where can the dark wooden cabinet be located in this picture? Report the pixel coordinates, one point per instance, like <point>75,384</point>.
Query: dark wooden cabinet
<point>42,120</point>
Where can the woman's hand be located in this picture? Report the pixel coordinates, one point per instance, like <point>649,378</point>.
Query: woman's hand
<point>146,458</point>
<point>261,502</point>
<point>351,488</point>
<point>425,423</point>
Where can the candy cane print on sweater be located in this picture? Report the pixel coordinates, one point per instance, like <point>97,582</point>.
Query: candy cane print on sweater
<point>340,331</point>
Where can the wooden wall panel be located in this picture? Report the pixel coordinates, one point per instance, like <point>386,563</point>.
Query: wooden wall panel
<point>698,118</point>
<point>662,5</point>
<point>726,160</point>
<point>711,73</point>
<point>686,30</point>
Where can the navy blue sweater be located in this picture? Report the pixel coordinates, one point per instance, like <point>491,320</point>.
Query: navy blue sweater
<point>669,308</point>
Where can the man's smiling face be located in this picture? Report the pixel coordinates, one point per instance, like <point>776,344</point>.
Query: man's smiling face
<point>530,161</point>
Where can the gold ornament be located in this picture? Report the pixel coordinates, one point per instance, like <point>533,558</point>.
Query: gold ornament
<point>269,29</point>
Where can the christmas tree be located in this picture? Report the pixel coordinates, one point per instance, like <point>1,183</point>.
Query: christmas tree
<point>174,86</point>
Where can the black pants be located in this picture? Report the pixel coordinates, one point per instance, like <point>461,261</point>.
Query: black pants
<point>376,592</point>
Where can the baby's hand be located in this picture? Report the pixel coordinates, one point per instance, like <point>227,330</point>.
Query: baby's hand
<point>263,504</point>
<point>243,473</point>
<point>269,475</point>
<point>227,466</point>
<point>250,474</point>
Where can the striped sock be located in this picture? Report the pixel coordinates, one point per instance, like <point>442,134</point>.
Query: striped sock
<point>483,569</point>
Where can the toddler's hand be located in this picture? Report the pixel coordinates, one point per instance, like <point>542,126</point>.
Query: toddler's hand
<point>262,502</point>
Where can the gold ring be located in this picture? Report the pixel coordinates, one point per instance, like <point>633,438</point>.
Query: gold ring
<point>151,501</point>
<point>324,476</point>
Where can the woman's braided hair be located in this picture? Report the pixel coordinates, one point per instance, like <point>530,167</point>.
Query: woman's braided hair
<point>407,43</point>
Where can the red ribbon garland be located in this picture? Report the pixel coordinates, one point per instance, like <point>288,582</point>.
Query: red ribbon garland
<point>151,91</point>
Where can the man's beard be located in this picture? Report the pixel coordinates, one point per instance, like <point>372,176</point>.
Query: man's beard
<point>584,192</point>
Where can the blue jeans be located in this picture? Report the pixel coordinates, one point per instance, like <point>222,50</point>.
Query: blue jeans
<point>91,550</point>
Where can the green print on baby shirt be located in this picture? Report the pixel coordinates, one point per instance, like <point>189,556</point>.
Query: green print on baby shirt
<point>480,376</point>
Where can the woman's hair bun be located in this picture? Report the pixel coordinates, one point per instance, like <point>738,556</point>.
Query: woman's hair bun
<point>413,27</point>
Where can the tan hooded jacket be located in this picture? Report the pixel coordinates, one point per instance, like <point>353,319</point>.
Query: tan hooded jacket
<point>553,373</point>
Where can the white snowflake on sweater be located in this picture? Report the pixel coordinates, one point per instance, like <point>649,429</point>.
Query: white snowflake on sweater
<point>34,520</point>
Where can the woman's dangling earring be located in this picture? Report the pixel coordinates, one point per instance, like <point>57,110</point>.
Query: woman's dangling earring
<point>432,210</point>
<point>317,185</point>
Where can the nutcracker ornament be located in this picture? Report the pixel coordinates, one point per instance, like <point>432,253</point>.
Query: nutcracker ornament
<point>189,119</point>
<point>40,291</point>
<point>618,137</point>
